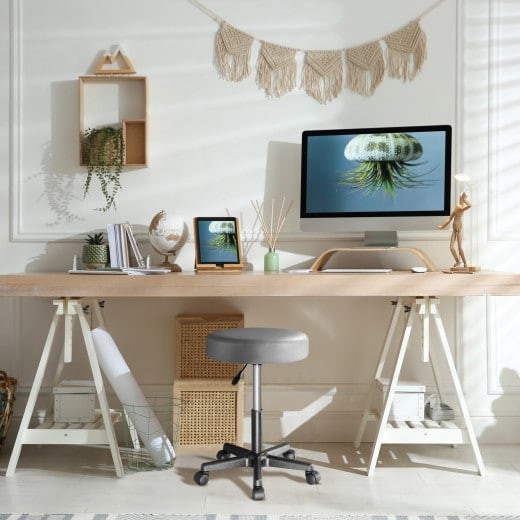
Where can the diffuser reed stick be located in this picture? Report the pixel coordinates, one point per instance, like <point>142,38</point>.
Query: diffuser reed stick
<point>271,229</point>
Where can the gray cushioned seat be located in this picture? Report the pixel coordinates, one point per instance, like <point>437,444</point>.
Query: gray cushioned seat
<point>257,345</point>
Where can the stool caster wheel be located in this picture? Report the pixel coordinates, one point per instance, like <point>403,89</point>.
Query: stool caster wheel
<point>223,455</point>
<point>258,493</point>
<point>201,478</point>
<point>312,477</point>
<point>289,455</point>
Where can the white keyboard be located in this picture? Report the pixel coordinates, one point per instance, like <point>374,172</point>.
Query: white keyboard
<point>361,270</point>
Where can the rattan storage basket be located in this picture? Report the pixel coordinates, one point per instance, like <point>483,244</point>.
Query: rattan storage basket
<point>212,408</point>
<point>212,412</point>
<point>190,357</point>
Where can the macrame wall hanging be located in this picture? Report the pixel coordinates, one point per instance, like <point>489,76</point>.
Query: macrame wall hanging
<point>400,54</point>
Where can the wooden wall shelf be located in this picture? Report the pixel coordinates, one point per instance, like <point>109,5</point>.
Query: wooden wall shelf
<point>120,101</point>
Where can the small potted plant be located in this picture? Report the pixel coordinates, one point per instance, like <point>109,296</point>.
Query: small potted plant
<point>95,252</point>
<point>103,153</point>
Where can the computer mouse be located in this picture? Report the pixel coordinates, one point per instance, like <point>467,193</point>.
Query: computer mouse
<point>419,269</point>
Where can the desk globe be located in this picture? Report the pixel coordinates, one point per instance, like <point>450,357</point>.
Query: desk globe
<point>167,234</point>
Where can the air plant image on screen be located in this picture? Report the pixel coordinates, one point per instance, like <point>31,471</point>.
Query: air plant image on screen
<point>225,238</point>
<point>387,161</point>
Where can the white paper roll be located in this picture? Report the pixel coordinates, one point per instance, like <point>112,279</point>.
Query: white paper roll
<point>128,392</point>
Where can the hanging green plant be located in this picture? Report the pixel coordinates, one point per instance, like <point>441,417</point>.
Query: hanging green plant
<point>103,153</point>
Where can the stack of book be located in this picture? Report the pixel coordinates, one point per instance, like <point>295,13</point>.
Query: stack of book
<point>123,247</point>
<point>125,255</point>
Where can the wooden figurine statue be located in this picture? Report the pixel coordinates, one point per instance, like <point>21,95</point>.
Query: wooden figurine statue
<point>456,236</point>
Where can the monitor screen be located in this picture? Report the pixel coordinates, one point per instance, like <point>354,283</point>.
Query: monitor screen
<point>371,179</point>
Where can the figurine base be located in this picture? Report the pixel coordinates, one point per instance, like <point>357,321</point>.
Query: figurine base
<point>467,269</point>
<point>470,269</point>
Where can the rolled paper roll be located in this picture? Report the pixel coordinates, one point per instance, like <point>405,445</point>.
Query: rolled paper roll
<point>132,398</point>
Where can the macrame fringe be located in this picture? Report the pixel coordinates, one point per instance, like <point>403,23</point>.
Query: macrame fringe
<point>322,75</point>
<point>232,52</point>
<point>276,69</point>
<point>366,68</point>
<point>406,51</point>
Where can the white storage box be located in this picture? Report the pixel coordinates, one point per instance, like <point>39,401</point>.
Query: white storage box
<point>75,401</point>
<point>408,402</point>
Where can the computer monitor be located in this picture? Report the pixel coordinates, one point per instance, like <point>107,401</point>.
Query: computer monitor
<point>375,179</point>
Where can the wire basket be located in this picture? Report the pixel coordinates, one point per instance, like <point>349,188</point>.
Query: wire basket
<point>151,433</point>
<point>7,398</point>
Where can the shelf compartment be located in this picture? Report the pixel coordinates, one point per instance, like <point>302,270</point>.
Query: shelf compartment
<point>426,431</point>
<point>50,432</point>
<point>113,100</point>
<point>134,135</point>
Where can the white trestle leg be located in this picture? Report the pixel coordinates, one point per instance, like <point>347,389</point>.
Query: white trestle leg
<point>416,432</point>
<point>101,431</point>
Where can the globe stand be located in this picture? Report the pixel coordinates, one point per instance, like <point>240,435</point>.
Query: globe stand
<point>167,234</point>
<point>174,268</point>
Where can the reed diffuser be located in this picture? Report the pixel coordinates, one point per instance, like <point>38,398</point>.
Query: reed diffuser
<point>271,229</point>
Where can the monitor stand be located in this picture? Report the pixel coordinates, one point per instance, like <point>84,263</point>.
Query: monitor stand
<point>380,239</point>
<point>322,260</point>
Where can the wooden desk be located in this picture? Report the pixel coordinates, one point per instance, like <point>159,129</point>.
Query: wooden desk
<point>419,292</point>
<point>258,284</point>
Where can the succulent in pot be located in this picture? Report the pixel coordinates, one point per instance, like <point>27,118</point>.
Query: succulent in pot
<point>95,251</point>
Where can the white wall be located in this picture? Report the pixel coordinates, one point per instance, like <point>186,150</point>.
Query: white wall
<point>214,146</point>
<point>489,110</point>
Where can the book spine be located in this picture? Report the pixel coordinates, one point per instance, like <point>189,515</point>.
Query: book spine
<point>134,247</point>
<point>112,246</point>
<point>122,244</point>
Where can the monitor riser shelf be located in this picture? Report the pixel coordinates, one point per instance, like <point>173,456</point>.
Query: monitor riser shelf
<point>322,260</point>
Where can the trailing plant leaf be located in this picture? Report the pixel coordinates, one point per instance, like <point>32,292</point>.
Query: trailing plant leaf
<point>104,155</point>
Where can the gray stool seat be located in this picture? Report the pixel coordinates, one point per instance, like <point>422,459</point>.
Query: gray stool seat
<point>257,345</point>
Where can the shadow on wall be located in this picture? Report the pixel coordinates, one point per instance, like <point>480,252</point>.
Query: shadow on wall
<point>282,179</point>
<point>58,255</point>
<point>60,187</point>
<point>60,156</point>
<point>504,410</point>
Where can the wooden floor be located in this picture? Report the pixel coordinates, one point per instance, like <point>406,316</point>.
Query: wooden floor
<point>410,480</point>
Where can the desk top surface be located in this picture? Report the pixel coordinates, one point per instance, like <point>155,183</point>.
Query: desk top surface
<point>259,284</point>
